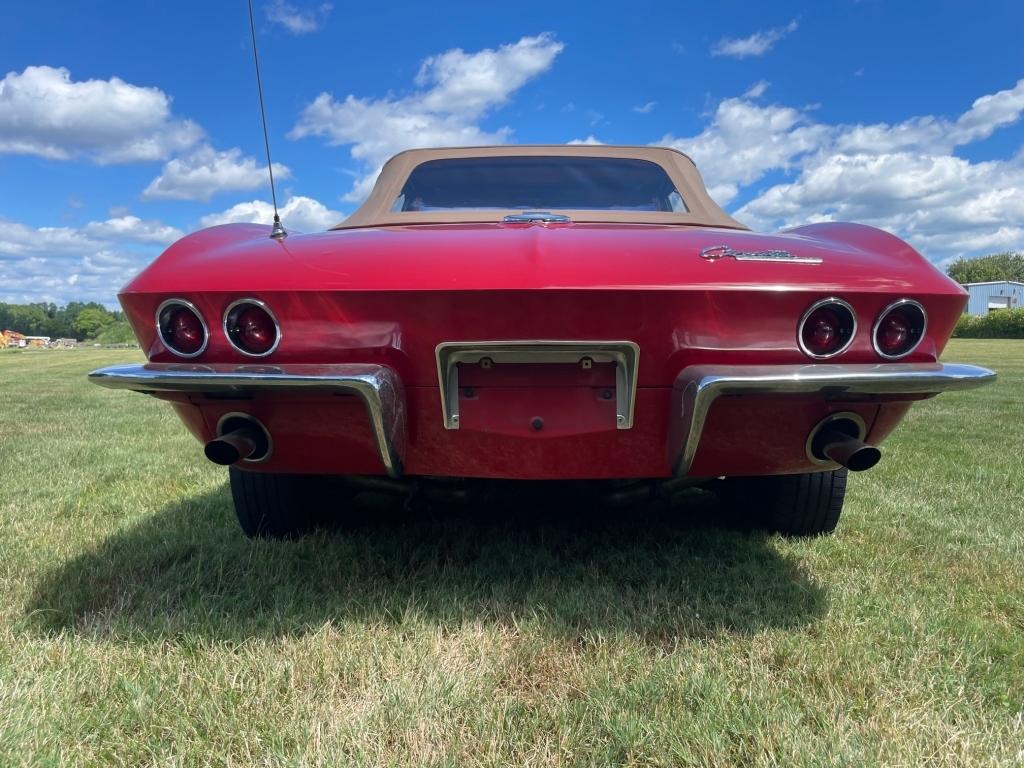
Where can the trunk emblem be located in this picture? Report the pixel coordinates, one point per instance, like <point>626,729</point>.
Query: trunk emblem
<point>716,252</point>
<point>536,217</point>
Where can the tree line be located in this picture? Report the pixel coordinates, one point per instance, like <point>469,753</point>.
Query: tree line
<point>77,320</point>
<point>985,269</point>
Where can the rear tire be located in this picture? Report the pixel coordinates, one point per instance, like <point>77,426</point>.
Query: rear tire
<point>276,506</point>
<point>808,504</point>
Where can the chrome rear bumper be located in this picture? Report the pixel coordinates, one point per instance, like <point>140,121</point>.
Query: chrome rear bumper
<point>377,385</point>
<point>697,388</point>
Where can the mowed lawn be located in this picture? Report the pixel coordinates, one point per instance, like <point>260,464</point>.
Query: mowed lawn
<point>138,627</point>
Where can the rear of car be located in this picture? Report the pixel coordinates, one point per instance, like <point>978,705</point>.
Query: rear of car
<point>543,313</point>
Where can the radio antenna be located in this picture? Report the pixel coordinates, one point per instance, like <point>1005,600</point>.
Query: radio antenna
<point>277,233</point>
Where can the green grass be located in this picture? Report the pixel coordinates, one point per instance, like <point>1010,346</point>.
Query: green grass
<point>137,626</point>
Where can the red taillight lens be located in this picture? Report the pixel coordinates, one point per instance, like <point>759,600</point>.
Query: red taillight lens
<point>256,331</point>
<point>893,333</point>
<point>181,328</point>
<point>186,331</point>
<point>251,328</point>
<point>827,328</point>
<point>899,329</point>
<point>821,332</point>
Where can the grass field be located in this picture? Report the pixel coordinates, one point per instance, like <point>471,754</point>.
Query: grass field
<point>138,627</point>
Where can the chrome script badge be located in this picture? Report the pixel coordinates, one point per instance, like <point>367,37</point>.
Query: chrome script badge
<point>716,252</point>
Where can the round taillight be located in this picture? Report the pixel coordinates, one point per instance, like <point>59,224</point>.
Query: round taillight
<point>827,328</point>
<point>251,328</point>
<point>181,328</point>
<point>899,329</point>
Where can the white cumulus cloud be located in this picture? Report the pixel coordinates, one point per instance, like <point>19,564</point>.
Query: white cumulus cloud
<point>904,177</point>
<point>455,90</point>
<point>303,214</point>
<point>298,21</point>
<point>88,263</point>
<point>757,44</point>
<point>44,112</point>
<point>129,228</point>
<point>205,171</point>
<point>744,141</point>
<point>757,90</point>
<point>937,134</point>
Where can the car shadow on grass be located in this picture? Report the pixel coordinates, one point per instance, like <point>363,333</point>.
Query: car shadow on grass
<point>658,572</point>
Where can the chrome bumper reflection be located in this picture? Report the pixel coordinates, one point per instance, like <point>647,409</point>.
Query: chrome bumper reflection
<point>697,388</point>
<point>377,385</point>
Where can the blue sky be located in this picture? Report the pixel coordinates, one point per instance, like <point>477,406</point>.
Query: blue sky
<point>124,125</point>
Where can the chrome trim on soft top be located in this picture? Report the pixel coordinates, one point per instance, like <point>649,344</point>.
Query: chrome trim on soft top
<point>625,355</point>
<point>697,388</point>
<point>377,385</point>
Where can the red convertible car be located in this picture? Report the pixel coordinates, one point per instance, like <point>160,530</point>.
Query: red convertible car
<point>542,312</point>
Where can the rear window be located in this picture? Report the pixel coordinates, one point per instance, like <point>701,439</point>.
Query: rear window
<point>544,183</point>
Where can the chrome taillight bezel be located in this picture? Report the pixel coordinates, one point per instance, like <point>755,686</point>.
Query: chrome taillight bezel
<point>170,304</point>
<point>829,301</point>
<point>899,304</point>
<point>237,306</point>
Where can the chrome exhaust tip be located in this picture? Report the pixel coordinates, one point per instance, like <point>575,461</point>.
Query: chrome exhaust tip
<point>847,451</point>
<point>240,437</point>
<point>839,438</point>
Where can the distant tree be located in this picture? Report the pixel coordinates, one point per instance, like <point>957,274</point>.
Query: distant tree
<point>46,319</point>
<point>998,266</point>
<point>118,332</point>
<point>91,320</point>
<point>64,320</point>
<point>29,319</point>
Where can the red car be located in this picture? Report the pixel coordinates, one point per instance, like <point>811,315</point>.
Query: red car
<point>542,312</point>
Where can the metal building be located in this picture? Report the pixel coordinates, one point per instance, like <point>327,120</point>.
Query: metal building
<point>994,295</point>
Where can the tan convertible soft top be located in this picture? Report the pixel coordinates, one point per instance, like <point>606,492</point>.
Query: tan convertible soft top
<point>703,211</point>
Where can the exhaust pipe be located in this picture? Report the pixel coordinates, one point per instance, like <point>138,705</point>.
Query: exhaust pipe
<point>832,443</point>
<point>231,447</point>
